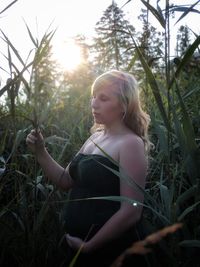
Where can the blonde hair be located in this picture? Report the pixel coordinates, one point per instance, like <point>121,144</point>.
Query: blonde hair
<point>134,116</point>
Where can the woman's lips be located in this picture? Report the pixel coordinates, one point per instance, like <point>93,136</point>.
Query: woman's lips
<point>95,114</point>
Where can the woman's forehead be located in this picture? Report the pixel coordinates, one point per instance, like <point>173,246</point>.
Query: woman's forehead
<point>106,88</point>
<point>106,85</point>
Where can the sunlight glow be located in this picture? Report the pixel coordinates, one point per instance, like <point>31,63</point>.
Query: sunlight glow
<point>67,54</point>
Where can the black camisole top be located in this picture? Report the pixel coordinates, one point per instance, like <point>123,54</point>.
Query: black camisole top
<point>84,217</point>
<point>91,179</point>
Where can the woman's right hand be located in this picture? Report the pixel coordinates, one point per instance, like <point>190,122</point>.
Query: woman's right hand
<point>35,141</point>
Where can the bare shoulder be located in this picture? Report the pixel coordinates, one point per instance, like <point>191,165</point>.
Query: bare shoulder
<point>131,143</point>
<point>132,151</point>
<point>132,156</point>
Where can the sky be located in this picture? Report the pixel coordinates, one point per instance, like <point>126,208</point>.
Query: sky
<point>69,17</point>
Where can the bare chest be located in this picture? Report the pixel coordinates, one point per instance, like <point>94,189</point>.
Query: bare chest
<point>103,146</point>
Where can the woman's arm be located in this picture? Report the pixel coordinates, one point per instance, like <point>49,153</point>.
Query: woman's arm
<point>53,171</point>
<point>134,164</point>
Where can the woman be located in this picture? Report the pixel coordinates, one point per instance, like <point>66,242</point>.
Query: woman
<point>102,228</point>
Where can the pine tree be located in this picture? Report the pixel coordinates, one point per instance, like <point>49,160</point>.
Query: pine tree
<point>113,46</point>
<point>151,41</point>
<point>43,80</point>
<point>182,40</point>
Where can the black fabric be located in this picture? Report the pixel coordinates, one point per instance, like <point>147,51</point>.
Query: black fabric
<point>93,179</point>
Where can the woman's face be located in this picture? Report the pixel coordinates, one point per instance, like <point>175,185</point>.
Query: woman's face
<point>106,108</point>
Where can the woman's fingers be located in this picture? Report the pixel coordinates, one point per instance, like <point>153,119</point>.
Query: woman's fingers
<point>74,242</point>
<point>36,132</point>
<point>31,139</point>
<point>35,140</point>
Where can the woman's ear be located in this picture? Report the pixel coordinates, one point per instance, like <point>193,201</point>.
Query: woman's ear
<point>123,112</point>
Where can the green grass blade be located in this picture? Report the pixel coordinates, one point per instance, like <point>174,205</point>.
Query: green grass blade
<point>9,60</point>
<point>132,62</point>
<point>35,42</point>
<point>189,52</point>
<point>165,197</point>
<point>19,138</point>
<point>80,249</point>
<point>187,124</point>
<point>7,86</point>
<point>133,202</point>
<point>190,243</point>
<point>161,132</point>
<point>12,3</point>
<point>13,49</point>
<point>157,14</point>
<point>191,148</point>
<point>188,210</point>
<point>154,87</point>
<point>187,11</point>
<point>186,195</point>
<point>178,130</point>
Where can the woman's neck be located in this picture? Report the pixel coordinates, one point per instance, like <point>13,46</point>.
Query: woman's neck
<point>115,129</point>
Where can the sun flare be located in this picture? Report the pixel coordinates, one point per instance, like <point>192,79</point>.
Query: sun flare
<point>67,54</point>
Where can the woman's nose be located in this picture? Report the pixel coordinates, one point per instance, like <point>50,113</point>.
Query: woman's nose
<point>94,103</point>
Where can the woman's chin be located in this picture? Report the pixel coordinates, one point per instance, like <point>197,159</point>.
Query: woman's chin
<point>97,121</point>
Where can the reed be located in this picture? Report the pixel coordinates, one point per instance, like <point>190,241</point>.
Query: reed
<point>32,221</point>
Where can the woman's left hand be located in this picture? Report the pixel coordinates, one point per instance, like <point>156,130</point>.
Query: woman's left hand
<point>76,243</point>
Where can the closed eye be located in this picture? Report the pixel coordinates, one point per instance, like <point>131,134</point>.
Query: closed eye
<point>103,98</point>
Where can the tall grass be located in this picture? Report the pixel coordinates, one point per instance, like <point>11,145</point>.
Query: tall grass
<point>31,215</point>
<point>174,174</point>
